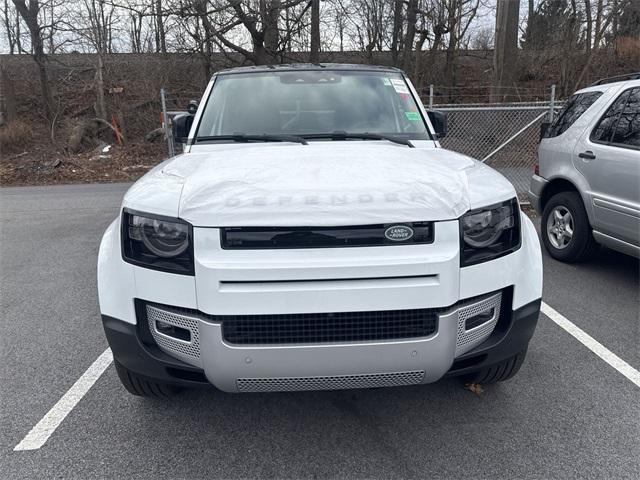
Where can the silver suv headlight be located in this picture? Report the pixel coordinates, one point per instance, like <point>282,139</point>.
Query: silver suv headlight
<point>489,232</point>
<point>157,242</point>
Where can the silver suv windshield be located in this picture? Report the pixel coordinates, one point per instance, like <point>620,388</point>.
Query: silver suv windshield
<point>311,104</point>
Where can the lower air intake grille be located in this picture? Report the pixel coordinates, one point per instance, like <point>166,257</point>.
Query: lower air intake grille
<point>469,339</point>
<point>337,382</point>
<point>190,348</point>
<point>329,327</point>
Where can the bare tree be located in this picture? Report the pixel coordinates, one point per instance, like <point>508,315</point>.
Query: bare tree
<point>606,12</point>
<point>460,15</point>
<point>93,24</point>
<point>260,21</point>
<point>482,40</point>
<point>31,15</point>
<point>11,27</point>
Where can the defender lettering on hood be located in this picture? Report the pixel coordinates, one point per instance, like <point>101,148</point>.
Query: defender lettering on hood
<point>321,184</point>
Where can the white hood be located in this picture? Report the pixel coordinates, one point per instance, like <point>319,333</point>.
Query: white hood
<point>320,184</point>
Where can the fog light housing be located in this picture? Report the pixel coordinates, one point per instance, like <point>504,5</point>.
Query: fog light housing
<point>172,331</point>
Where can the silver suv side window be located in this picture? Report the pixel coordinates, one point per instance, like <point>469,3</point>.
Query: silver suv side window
<point>575,106</point>
<point>627,132</point>
<point>606,126</point>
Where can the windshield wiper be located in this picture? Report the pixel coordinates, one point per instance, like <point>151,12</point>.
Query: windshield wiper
<point>363,136</point>
<point>241,137</point>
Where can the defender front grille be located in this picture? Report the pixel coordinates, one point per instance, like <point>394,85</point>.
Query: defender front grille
<point>329,327</point>
<point>255,238</point>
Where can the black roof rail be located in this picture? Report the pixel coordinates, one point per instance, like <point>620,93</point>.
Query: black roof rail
<point>308,66</point>
<point>617,78</point>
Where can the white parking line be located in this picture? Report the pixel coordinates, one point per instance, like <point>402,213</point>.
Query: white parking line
<point>54,417</point>
<point>592,344</point>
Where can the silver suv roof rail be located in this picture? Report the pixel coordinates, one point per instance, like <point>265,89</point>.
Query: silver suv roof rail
<point>617,78</point>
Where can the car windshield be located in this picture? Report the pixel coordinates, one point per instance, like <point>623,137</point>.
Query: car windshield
<point>311,103</point>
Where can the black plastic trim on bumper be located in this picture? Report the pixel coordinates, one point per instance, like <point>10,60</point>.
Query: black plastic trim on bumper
<point>148,360</point>
<point>502,344</point>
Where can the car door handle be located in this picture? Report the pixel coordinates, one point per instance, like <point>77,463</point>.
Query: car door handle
<point>588,155</point>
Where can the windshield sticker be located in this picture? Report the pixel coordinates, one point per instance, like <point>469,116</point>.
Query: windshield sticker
<point>386,81</point>
<point>413,116</point>
<point>399,85</point>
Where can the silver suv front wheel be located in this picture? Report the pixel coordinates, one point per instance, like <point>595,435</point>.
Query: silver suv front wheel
<point>566,232</point>
<point>560,227</point>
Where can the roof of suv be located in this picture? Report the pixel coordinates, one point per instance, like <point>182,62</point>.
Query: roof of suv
<point>603,85</point>
<point>308,66</point>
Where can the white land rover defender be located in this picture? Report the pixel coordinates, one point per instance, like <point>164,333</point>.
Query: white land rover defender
<point>315,235</point>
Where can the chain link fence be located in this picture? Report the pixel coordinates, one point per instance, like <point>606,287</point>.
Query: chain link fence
<point>504,136</point>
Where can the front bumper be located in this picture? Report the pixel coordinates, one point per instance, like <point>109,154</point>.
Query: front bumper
<point>342,280</point>
<point>233,368</point>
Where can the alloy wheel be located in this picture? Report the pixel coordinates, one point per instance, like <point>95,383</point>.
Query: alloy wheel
<point>560,227</point>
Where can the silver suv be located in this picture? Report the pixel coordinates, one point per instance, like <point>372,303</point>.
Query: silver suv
<point>587,182</point>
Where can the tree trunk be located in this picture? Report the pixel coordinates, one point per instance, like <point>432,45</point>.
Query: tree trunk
<point>450,69</point>
<point>452,45</point>
<point>270,34</point>
<point>397,30</point>
<point>208,49</point>
<point>417,77</point>
<point>162,44</point>
<point>530,17</point>
<point>505,51</point>
<point>412,14</point>
<point>51,44</point>
<point>7,98</point>
<point>598,26</point>
<point>45,89</point>
<point>314,56</point>
<point>30,17</point>
<point>614,26</point>
<point>101,108</point>
<point>18,40</point>
<point>260,55</point>
<point>589,35</point>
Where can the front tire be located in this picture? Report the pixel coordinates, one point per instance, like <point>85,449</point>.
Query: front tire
<point>500,371</point>
<point>141,386</point>
<point>566,232</point>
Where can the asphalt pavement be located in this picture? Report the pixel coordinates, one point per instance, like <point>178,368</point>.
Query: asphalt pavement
<point>567,414</point>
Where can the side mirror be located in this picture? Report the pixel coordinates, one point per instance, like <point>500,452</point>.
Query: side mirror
<point>181,124</point>
<point>192,108</point>
<point>439,122</point>
<point>544,128</point>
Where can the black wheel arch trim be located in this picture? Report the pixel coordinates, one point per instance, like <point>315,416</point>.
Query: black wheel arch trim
<point>551,189</point>
<point>148,360</point>
<point>501,345</point>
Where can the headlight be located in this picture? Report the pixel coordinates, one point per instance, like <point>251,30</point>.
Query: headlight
<point>160,243</point>
<point>490,232</point>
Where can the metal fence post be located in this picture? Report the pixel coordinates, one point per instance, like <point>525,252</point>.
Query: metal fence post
<point>431,97</point>
<point>552,102</point>
<point>166,124</point>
